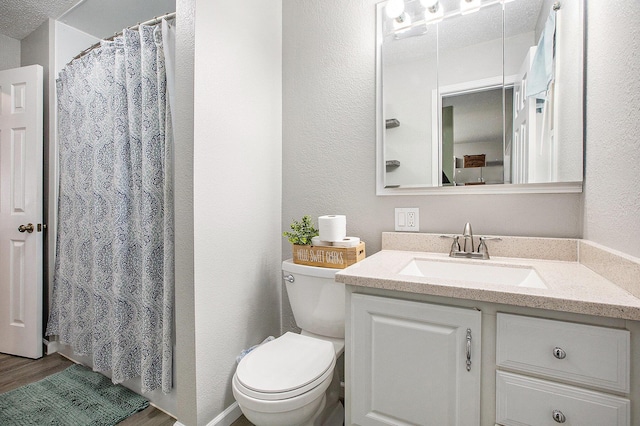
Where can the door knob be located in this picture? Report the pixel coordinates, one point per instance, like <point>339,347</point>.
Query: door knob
<point>28,228</point>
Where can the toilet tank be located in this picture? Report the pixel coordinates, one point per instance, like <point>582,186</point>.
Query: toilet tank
<point>317,300</point>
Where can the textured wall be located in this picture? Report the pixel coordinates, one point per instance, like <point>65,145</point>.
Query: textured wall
<point>185,359</point>
<point>237,172</point>
<point>9,53</point>
<point>329,140</point>
<point>612,190</point>
<point>34,48</point>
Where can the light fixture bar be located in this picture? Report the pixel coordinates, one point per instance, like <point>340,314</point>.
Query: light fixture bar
<point>452,13</point>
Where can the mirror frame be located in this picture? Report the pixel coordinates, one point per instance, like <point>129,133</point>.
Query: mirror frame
<point>509,188</point>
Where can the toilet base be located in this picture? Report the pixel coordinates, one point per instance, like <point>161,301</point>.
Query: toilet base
<point>292,418</point>
<point>335,417</point>
<point>332,413</point>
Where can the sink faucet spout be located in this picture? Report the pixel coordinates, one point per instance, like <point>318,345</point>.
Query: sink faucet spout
<point>467,235</point>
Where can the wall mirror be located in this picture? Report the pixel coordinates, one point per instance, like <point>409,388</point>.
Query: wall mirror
<point>479,96</point>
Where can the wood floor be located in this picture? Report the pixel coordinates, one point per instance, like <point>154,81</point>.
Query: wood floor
<point>17,371</point>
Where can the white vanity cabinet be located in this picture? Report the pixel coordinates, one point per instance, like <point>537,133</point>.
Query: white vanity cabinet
<point>412,363</point>
<point>552,372</point>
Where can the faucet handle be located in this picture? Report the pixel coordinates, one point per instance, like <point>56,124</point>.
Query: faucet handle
<point>455,245</point>
<point>490,238</point>
<point>482,247</point>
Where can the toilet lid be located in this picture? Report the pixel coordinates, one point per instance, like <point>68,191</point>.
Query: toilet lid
<point>286,364</point>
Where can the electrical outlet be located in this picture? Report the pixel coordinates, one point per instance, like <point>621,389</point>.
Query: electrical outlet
<point>411,219</point>
<point>407,219</point>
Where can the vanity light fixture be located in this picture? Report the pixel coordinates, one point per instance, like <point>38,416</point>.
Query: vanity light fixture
<point>469,6</point>
<point>394,8</point>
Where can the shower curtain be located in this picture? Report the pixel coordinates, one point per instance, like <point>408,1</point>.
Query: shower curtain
<point>113,287</point>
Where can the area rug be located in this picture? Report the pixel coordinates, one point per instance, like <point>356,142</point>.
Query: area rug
<point>74,397</point>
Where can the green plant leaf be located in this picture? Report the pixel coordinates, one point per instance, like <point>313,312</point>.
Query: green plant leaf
<point>301,232</point>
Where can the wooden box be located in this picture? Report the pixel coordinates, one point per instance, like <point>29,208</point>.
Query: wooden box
<point>474,160</point>
<point>328,256</point>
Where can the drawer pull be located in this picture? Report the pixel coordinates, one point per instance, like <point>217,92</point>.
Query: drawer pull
<point>558,416</point>
<point>559,353</point>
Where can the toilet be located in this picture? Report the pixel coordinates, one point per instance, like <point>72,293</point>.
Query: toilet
<point>292,380</point>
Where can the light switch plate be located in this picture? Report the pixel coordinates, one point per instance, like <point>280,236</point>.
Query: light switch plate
<point>407,219</point>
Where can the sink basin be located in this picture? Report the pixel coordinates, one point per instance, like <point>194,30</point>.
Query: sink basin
<point>517,276</point>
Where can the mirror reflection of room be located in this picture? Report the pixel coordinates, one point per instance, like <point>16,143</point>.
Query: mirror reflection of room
<point>472,136</point>
<point>489,95</point>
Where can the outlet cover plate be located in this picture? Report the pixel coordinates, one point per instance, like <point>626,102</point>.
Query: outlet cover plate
<point>407,219</point>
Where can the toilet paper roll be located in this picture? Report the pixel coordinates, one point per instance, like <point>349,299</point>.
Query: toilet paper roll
<point>347,242</point>
<point>332,227</point>
<point>316,241</point>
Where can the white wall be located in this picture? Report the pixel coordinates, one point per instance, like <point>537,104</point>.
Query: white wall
<point>9,53</point>
<point>69,42</point>
<point>237,161</point>
<point>34,48</point>
<point>611,191</point>
<point>185,356</point>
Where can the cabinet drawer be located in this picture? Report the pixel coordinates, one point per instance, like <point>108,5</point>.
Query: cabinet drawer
<point>525,401</point>
<point>576,353</point>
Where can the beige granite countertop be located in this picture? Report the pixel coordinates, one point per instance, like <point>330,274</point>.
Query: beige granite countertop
<point>571,286</point>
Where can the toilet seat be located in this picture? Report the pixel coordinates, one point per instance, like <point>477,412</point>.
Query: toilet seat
<point>286,367</point>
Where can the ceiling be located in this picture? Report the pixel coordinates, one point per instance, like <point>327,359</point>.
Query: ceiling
<point>20,17</point>
<point>99,18</point>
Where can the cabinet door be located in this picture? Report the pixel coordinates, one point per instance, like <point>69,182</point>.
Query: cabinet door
<point>409,363</point>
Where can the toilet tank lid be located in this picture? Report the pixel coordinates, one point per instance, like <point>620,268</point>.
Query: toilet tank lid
<point>286,363</point>
<point>313,271</point>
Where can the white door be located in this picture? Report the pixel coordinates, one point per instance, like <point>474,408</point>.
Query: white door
<point>413,363</point>
<point>21,211</point>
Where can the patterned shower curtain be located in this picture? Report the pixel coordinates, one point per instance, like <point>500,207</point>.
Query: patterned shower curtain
<point>113,287</point>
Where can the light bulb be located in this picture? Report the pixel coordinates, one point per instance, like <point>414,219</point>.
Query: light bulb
<point>402,22</point>
<point>394,8</point>
<point>434,14</point>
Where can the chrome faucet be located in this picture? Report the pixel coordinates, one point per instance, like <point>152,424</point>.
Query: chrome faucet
<point>468,251</point>
<point>467,234</point>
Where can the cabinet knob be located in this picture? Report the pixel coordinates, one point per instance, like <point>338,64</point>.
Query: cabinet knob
<point>559,353</point>
<point>558,416</point>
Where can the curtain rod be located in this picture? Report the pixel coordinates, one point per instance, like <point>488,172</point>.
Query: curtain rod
<point>153,21</point>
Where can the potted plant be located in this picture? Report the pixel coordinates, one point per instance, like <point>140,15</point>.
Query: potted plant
<point>301,232</point>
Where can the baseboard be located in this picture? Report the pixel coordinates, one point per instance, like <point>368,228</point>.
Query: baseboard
<point>226,418</point>
<point>53,346</point>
